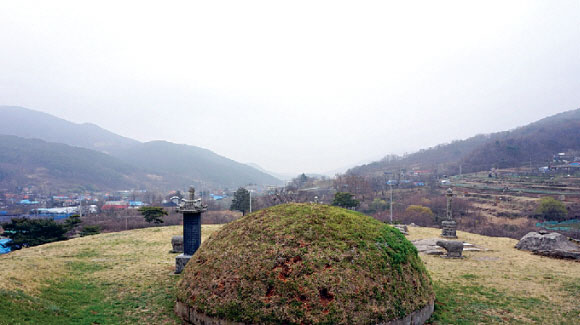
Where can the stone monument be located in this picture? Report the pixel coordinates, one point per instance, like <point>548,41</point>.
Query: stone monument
<point>449,226</point>
<point>191,209</point>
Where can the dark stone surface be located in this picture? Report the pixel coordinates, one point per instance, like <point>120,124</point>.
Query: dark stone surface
<point>454,248</point>
<point>560,254</point>
<point>191,209</point>
<point>191,232</point>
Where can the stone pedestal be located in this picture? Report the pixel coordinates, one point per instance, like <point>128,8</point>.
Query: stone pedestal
<point>448,229</point>
<point>180,262</point>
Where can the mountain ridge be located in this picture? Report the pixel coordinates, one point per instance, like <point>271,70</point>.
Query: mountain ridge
<point>536,141</point>
<point>200,166</point>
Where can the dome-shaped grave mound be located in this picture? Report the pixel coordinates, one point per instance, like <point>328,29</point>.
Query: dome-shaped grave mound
<point>305,264</point>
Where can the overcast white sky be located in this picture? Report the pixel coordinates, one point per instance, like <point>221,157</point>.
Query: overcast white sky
<point>296,85</point>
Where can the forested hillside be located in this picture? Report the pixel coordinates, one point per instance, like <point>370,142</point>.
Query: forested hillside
<point>536,142</point>
<point>27,123</point>
<point>168,165</point>
<point>25,162</point>
<point>184,164</point>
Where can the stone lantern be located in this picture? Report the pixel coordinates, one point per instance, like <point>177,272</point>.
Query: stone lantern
<point>191,209</point>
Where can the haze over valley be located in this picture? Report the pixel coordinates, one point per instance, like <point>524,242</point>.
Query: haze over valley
<point>304,162</point>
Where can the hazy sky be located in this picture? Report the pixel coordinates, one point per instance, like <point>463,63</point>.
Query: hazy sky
<point>296,85</point>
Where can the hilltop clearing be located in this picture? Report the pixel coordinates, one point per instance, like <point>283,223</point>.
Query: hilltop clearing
<point>127,277</point>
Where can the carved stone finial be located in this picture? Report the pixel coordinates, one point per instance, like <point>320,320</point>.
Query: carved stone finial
<point>192,193</point>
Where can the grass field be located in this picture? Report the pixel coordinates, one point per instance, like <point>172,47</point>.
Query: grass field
<point>127,277</point>
<point>502,284</point>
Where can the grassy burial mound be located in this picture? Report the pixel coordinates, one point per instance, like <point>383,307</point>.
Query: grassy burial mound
<point>304,264</point>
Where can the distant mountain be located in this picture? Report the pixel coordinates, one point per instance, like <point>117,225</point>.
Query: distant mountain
<point>281,176</point>
<point>33,162</point>
<point>27,123</point>
<point>536,142</point>
<point>184,165</point>
<point>172,165</point>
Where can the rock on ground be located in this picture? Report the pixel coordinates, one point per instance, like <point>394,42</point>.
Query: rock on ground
<point>550,244</point>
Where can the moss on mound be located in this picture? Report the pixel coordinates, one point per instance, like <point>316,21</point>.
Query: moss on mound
<point>304,263</point>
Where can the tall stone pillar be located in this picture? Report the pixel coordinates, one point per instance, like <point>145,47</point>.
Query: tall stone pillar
<point>191,209</point>
<point>449,226</point>
<point>191,232</point>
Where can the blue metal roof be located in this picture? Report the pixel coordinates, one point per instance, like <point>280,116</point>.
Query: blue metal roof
<point>3,245</point>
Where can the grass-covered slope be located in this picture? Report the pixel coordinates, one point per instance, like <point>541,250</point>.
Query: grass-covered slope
<point>115,278</point>
<point>305,263</point>
<point>127,278</point>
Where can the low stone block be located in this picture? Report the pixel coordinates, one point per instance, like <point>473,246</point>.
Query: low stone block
<point>402,228</point>
<point>449,229</point>
<point>454,248</point>
<point>180,262</point>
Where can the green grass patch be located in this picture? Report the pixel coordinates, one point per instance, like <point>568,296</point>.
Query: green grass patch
<point>64,302</point>
<point>471,304</point>
<point>469,276</point>
<point>572,288</point>
<point>87,253</point>
<point>78,300</point>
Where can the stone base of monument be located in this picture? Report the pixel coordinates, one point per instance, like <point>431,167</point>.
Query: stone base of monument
<point>449,229</point>
<point>191,316</point>
<point>180,262</point>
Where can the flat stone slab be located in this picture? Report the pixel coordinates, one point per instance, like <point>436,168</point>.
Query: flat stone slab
<point>429,246</point>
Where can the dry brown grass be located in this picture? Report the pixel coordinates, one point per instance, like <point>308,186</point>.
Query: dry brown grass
<point>137,261</point>
<point>506,269</point>
<point>128,257</point>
